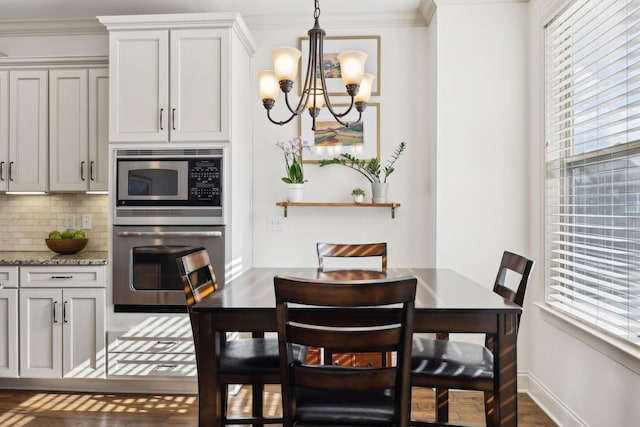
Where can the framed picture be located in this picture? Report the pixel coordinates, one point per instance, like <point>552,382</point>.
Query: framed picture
<point>331,139</point>
<point>332,47</point>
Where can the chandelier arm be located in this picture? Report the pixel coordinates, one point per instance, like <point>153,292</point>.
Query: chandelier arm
<point>346,124</point>
<point>299,109</point>
<point>284,122</point>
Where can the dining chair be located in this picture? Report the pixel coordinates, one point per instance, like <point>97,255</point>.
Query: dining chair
<point>443,364</point>
<point>339,250</point>
<point>380,319</point>
<point>352,250</point>
<point>253,361</point>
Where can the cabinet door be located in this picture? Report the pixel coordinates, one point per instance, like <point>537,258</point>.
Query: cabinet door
<point>41,333</point>
<point>99,129</point>
<point>4,130</point>
<point>28,130</point>
<point>199,92</point>
<point>83,320</point>
<point>8,332</point>
<point>138,86</point>
<point>68,130</point>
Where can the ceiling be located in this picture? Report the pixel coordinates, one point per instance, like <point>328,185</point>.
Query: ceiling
<point>20,10</point>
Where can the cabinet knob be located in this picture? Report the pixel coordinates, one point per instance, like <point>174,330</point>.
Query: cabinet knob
<point>55,320</point>
<point>173,119</point>
<point>82,171</point>
<point>91,177</point>
<point>161,111</point>
<point>10,171</point>
<point>1,171</point>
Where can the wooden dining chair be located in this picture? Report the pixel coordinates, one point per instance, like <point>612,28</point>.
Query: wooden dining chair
<point>352,250</point>
<point>443,364</point>
<point>253,361</point>
<point>338,250</point>
<point>314,395</point>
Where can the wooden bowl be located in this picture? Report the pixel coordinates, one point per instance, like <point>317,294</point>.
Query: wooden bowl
<point>66,246</point>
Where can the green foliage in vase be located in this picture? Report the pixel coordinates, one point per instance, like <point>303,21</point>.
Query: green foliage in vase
<point>370,169</point>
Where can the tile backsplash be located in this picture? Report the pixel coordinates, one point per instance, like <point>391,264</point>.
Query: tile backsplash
<point>25,221</point>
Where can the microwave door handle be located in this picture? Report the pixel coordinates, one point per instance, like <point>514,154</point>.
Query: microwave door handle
<point>170,233</point>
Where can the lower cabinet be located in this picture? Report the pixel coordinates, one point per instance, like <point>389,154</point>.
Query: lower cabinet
<point>62,322</point>
<point>8,332</point>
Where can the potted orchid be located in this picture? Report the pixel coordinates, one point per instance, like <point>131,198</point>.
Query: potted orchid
<point>292,151</point>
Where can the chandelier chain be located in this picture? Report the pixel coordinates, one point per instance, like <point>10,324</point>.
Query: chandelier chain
<point>316,12</point>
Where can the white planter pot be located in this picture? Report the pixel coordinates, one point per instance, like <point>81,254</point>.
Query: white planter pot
<point>358,198</point>
<point>379,192</point>
<point>295,192</point>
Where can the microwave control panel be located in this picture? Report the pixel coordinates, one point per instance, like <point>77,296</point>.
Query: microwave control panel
<point>205,180</point>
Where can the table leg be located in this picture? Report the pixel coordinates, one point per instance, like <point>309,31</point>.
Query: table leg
<point>505,365</point>
<point>209,409</point>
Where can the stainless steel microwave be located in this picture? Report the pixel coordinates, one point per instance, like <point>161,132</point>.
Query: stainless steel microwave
<point>169,187</point>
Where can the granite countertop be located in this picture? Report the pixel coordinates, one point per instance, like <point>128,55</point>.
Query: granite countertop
<point>52,258</point>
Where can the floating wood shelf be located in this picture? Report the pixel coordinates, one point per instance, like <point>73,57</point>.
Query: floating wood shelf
<point>393,206</point>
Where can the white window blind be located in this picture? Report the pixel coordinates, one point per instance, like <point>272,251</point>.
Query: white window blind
<point>593,164</point>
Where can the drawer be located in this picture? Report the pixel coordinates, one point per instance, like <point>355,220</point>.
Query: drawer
<point>63,276</point>
<point>9,276</point>
<point>128,365</point>
<point>153,346</point>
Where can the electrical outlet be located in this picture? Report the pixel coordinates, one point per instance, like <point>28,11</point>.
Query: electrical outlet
<point>70,222</point>
<point>275,223</point>
<point>86,222</point>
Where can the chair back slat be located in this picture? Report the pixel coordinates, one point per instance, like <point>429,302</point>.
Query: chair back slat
<point>338,250</point>
<point>330,377</point>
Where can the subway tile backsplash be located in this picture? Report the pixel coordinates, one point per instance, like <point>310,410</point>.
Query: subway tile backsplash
<point>25,221</point>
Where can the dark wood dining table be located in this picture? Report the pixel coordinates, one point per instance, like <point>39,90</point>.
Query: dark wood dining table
<point>446,301</point>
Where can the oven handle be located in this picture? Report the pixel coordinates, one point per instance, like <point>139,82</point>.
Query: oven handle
<point>170,233</point>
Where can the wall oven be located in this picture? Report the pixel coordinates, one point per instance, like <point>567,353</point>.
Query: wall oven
<point>169,186</point>
<point>145,271</point>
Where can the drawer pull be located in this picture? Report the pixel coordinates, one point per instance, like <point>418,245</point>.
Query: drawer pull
<point>61,277</point>
<point>167,366</point>
<point>168,344</point>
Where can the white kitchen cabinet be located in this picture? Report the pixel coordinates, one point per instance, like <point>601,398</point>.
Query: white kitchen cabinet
<point>170,78</point>
<point>62,322</point>
<point>4,130</point>
<point>99,129</point>
<point>8,321</point>
<point>78,145</point>
<point>28,130</point>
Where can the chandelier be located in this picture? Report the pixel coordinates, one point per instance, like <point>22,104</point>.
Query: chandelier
<point>314,92</point>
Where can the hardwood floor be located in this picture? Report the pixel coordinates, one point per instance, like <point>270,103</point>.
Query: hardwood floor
<point>40,409</point>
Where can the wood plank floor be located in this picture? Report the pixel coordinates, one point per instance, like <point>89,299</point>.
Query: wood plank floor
<point>64,409</point>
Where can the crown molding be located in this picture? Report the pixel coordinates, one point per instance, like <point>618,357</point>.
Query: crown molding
<point>58,27</point>
<point>427,9</point>
<point>302,22</point>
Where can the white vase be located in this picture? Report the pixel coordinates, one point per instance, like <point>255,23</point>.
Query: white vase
<point>379,192</point>
<point>358,198</point>
<point>295,192</point>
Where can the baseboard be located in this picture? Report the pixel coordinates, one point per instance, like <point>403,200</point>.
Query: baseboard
<point>555,409</point>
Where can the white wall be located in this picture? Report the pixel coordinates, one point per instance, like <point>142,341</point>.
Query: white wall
<point>405,84</point>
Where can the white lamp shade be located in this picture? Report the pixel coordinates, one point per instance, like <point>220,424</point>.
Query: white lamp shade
<point>268,85</point>
<point>319,98</point>
<point>285,62</point>
<point>364,93</point>
<point>352,66</point>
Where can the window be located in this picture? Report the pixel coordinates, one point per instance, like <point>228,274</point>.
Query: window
<point>593,164</point>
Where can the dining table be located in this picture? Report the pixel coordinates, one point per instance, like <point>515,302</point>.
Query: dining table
<point>446,302</point>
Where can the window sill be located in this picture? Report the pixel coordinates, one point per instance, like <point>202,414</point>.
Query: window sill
<point>627,355</point>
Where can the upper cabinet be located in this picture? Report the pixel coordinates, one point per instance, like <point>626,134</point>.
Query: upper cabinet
<point>78,131</point>
<point>28,136</point>
<point>171,76</point>
<point>4,130</point>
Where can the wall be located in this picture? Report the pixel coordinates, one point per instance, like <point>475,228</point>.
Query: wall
<point>27,220</point>
<point>404,83</point>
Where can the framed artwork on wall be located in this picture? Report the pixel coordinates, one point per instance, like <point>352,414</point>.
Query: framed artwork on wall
<point>332,47</point>
<point>331,139</point>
